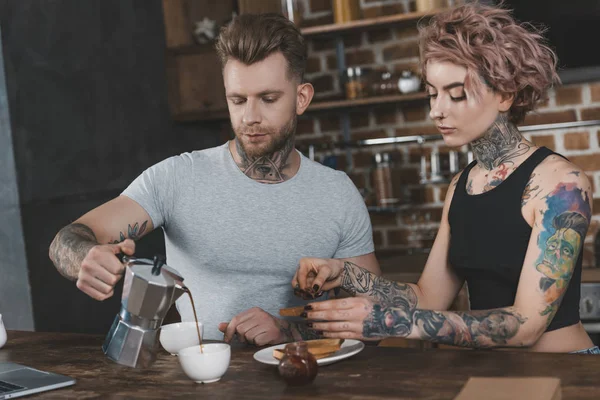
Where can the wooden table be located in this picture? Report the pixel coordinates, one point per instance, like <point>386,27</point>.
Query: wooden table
<point>375,373</point>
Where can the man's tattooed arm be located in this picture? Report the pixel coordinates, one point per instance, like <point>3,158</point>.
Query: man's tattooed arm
<point>134,232</point>
<point>358,281</point>
<point>475,329</point>
<point>74,241</point>
<point>69,248</point>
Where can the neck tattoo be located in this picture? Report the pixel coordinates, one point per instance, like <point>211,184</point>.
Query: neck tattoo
<point>502,143</point>
<point>270,168</point>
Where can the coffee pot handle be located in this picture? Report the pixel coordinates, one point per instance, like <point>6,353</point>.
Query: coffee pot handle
<point>159,261</point>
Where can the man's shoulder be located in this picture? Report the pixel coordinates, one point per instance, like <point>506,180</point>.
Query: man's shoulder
<point>332,178</point>
<point>188,159</point>
<point>323,171</point>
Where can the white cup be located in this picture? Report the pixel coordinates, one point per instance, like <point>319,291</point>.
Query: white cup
<point>174,337</point>
<point>207,366</point>
<point>2,333</point>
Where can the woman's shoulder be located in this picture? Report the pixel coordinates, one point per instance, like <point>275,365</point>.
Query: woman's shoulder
<point>556,168</point>
<point>556,171</point>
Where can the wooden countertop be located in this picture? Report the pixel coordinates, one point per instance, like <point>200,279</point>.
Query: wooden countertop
<point>375,373</point>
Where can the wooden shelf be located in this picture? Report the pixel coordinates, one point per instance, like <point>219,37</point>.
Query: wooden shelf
<point>590,274</point>
<point>317,106</point>
<point>366,23</point>
<point>367,101</point>
<point>324,29</point>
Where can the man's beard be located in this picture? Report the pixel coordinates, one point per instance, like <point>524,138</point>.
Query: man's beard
<point>278,141</point>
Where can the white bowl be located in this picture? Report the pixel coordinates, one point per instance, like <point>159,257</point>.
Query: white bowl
<point>174,337</point>
<point>208,366</point>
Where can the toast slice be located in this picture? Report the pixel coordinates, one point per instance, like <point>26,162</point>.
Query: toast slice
<point>278,354</point>
<point>324,343</point>
<point>319,348</point>
<point>291,311</point>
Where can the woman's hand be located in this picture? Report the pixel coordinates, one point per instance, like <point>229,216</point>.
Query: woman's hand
<point>317,275</point>
<point>359,318</point>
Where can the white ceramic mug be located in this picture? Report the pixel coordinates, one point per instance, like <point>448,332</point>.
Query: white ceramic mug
<point>2,333</point>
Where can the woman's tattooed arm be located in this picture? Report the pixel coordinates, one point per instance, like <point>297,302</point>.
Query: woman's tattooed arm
<point>360,282</point>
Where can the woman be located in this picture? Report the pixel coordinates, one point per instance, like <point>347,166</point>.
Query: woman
<point>513,222</point>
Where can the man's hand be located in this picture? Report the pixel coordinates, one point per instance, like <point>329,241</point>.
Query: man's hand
<point>315,275</point>
<point>101,269</point>
<point>255,326</point>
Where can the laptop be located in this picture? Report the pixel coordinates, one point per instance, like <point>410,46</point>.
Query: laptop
<point>18,380</point>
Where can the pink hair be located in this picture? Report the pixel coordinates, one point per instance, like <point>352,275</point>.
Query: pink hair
<point>497,51</point>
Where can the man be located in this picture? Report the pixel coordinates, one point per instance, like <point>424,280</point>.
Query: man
<point>237,218</point>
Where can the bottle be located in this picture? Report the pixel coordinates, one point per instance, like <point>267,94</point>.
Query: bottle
<point>345,11</point>
<point>359,82</point>
<point>292,10</point>
<point>351,92</point>
<point>382,181</point>
<point>298,366</point>
<point>436,175</point>
<point>430,5</point>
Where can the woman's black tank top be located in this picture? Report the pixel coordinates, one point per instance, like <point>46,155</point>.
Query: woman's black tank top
<point>489,240</point>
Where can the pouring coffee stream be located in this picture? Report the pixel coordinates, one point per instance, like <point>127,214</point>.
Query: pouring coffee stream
<point>159,261</point>
<point>189,292</point>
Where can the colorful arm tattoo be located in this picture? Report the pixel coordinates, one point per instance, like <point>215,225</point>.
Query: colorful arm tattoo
<point>565,223</point>
<point>134,232</point>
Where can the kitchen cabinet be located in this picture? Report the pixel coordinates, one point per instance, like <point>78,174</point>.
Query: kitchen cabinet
<point>194,79</point>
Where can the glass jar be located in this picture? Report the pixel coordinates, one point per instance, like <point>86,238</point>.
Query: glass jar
<point>362,77</point>
<point>430,5</point>
<point>382,181</point>
<point>384,83</point>
<point>292,10</point>
<point>351,84</point>
<point>408,82</point>
<point>298,366</point>
<point>346,11</point>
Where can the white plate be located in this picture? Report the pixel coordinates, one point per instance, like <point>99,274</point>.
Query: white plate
<point>349,348</point>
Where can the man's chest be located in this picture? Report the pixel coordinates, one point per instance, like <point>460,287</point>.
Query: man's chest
<point>257,232</point>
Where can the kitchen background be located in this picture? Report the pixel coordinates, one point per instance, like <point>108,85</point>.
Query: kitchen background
<point>99,90</point>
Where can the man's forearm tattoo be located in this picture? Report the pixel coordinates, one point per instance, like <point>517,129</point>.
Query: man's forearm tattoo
<point>69,248</point>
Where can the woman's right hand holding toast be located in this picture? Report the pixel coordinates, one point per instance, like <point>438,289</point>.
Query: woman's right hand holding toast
<point>315,275</point>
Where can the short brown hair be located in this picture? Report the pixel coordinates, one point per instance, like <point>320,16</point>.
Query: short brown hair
<point>250,38</point>
<point>496,50</point>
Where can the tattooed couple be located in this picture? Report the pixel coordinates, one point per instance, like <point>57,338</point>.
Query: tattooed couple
<point>236,217</point>
<point>514,220</point>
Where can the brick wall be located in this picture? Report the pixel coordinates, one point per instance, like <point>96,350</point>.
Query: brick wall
<point>396,48</point>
